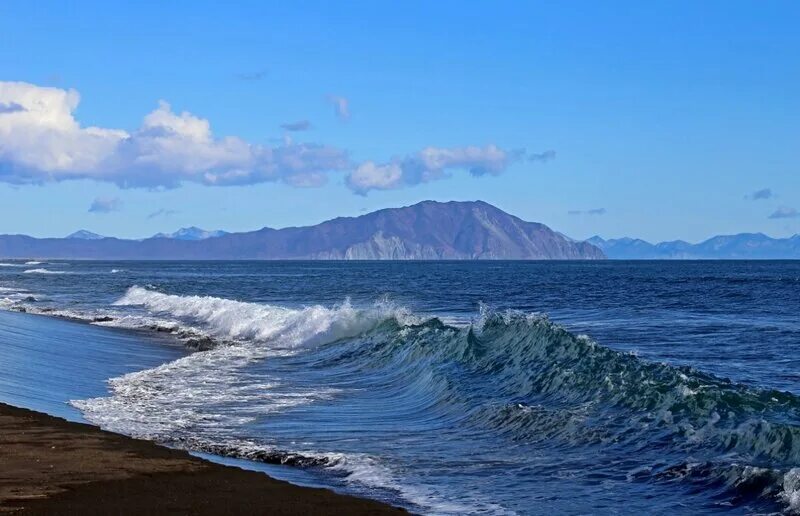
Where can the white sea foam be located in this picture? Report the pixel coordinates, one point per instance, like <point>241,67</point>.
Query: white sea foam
<point>791,490</point>
<point>34,263</point>
<point>207,395</point>
<point>43,271</point>
<point>115,271</point>
<point>12,297</point>
<point>282,327</point>
<point>10,265</point>
<point>193,392</point>
<point>192,396</point>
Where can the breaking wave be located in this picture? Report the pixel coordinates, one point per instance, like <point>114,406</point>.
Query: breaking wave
<point>514,374</point>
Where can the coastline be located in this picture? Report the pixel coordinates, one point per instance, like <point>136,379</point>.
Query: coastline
<point>54,466</point>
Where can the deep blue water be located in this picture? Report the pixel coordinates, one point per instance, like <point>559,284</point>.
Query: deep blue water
<point>657,387</point>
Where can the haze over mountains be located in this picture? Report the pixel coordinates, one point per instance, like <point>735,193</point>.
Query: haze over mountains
<point>425,231</point>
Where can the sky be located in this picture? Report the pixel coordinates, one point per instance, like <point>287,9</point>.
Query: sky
<point>659,120</point>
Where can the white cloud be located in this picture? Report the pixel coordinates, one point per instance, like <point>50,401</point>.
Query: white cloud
<point>162,212</point>
<point>372,176</point>
<point>300,125</point>
<point>543,157</point>
<point>593,211</point>
<point>758,195</point>
<point>105,205</point>
<point>785,212</point>
<point>427,165</point>
<point>341,106</point>
<point>40,140</point>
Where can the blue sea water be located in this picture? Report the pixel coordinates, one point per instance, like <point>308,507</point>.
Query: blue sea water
<point>444,387</point>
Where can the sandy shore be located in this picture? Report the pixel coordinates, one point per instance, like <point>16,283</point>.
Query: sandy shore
<point>52,466</point>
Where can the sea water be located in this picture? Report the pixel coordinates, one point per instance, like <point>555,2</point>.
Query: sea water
<point>443,387</point>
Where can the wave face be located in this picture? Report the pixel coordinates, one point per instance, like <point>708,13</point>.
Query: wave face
<point>496,411</point>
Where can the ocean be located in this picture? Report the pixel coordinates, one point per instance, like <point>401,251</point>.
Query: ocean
<point>444,387</point>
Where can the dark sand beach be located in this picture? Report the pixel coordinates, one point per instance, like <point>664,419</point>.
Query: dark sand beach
<point>52,466</point>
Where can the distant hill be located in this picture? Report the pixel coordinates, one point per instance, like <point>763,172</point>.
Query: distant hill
<point>85,235</point>
<point>752,246</point>
<point>191,233</point>
<point>425,231</point>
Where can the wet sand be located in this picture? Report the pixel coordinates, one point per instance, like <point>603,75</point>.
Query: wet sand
<point>52,466</point>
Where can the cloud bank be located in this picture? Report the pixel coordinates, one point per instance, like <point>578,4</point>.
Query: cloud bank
<point>42,141</point>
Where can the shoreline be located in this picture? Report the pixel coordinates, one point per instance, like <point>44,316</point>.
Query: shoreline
<point>49,465</point>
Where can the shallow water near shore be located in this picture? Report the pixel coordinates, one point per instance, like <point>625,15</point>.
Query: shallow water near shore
<point>647,387</point>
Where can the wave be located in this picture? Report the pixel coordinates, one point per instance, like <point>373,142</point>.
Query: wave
<point>574,392</point>
<point>226,319</point>
<point>242,333</point>
<point>43,271</point>
<point>34,263</point>
<point>520,375</point>
<point>183,403</point>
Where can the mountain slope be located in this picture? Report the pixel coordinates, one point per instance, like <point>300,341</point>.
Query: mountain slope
<point>425,231</point>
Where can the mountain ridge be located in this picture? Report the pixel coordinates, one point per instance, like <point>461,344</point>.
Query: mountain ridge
<point>720,247</point>
<point>84,234</point>
<point>191,233</point>
<point>429,230</point>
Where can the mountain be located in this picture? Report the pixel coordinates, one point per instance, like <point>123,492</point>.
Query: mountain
<point>85,235</point>
<point>191,233</point>
<point>750,246</point>
<point>425,231</point>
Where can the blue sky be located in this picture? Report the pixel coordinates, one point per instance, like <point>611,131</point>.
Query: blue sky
<point>664,117</point>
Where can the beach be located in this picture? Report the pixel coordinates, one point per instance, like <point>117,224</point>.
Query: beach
<point>53,466</point>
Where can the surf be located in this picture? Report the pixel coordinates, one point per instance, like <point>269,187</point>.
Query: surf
<point>541,384</point>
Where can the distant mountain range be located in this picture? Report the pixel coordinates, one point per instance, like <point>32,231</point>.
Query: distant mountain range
<point>425,231</point>
<point>751,246</point>
<point>85,235</point>
<point>191,233</point>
